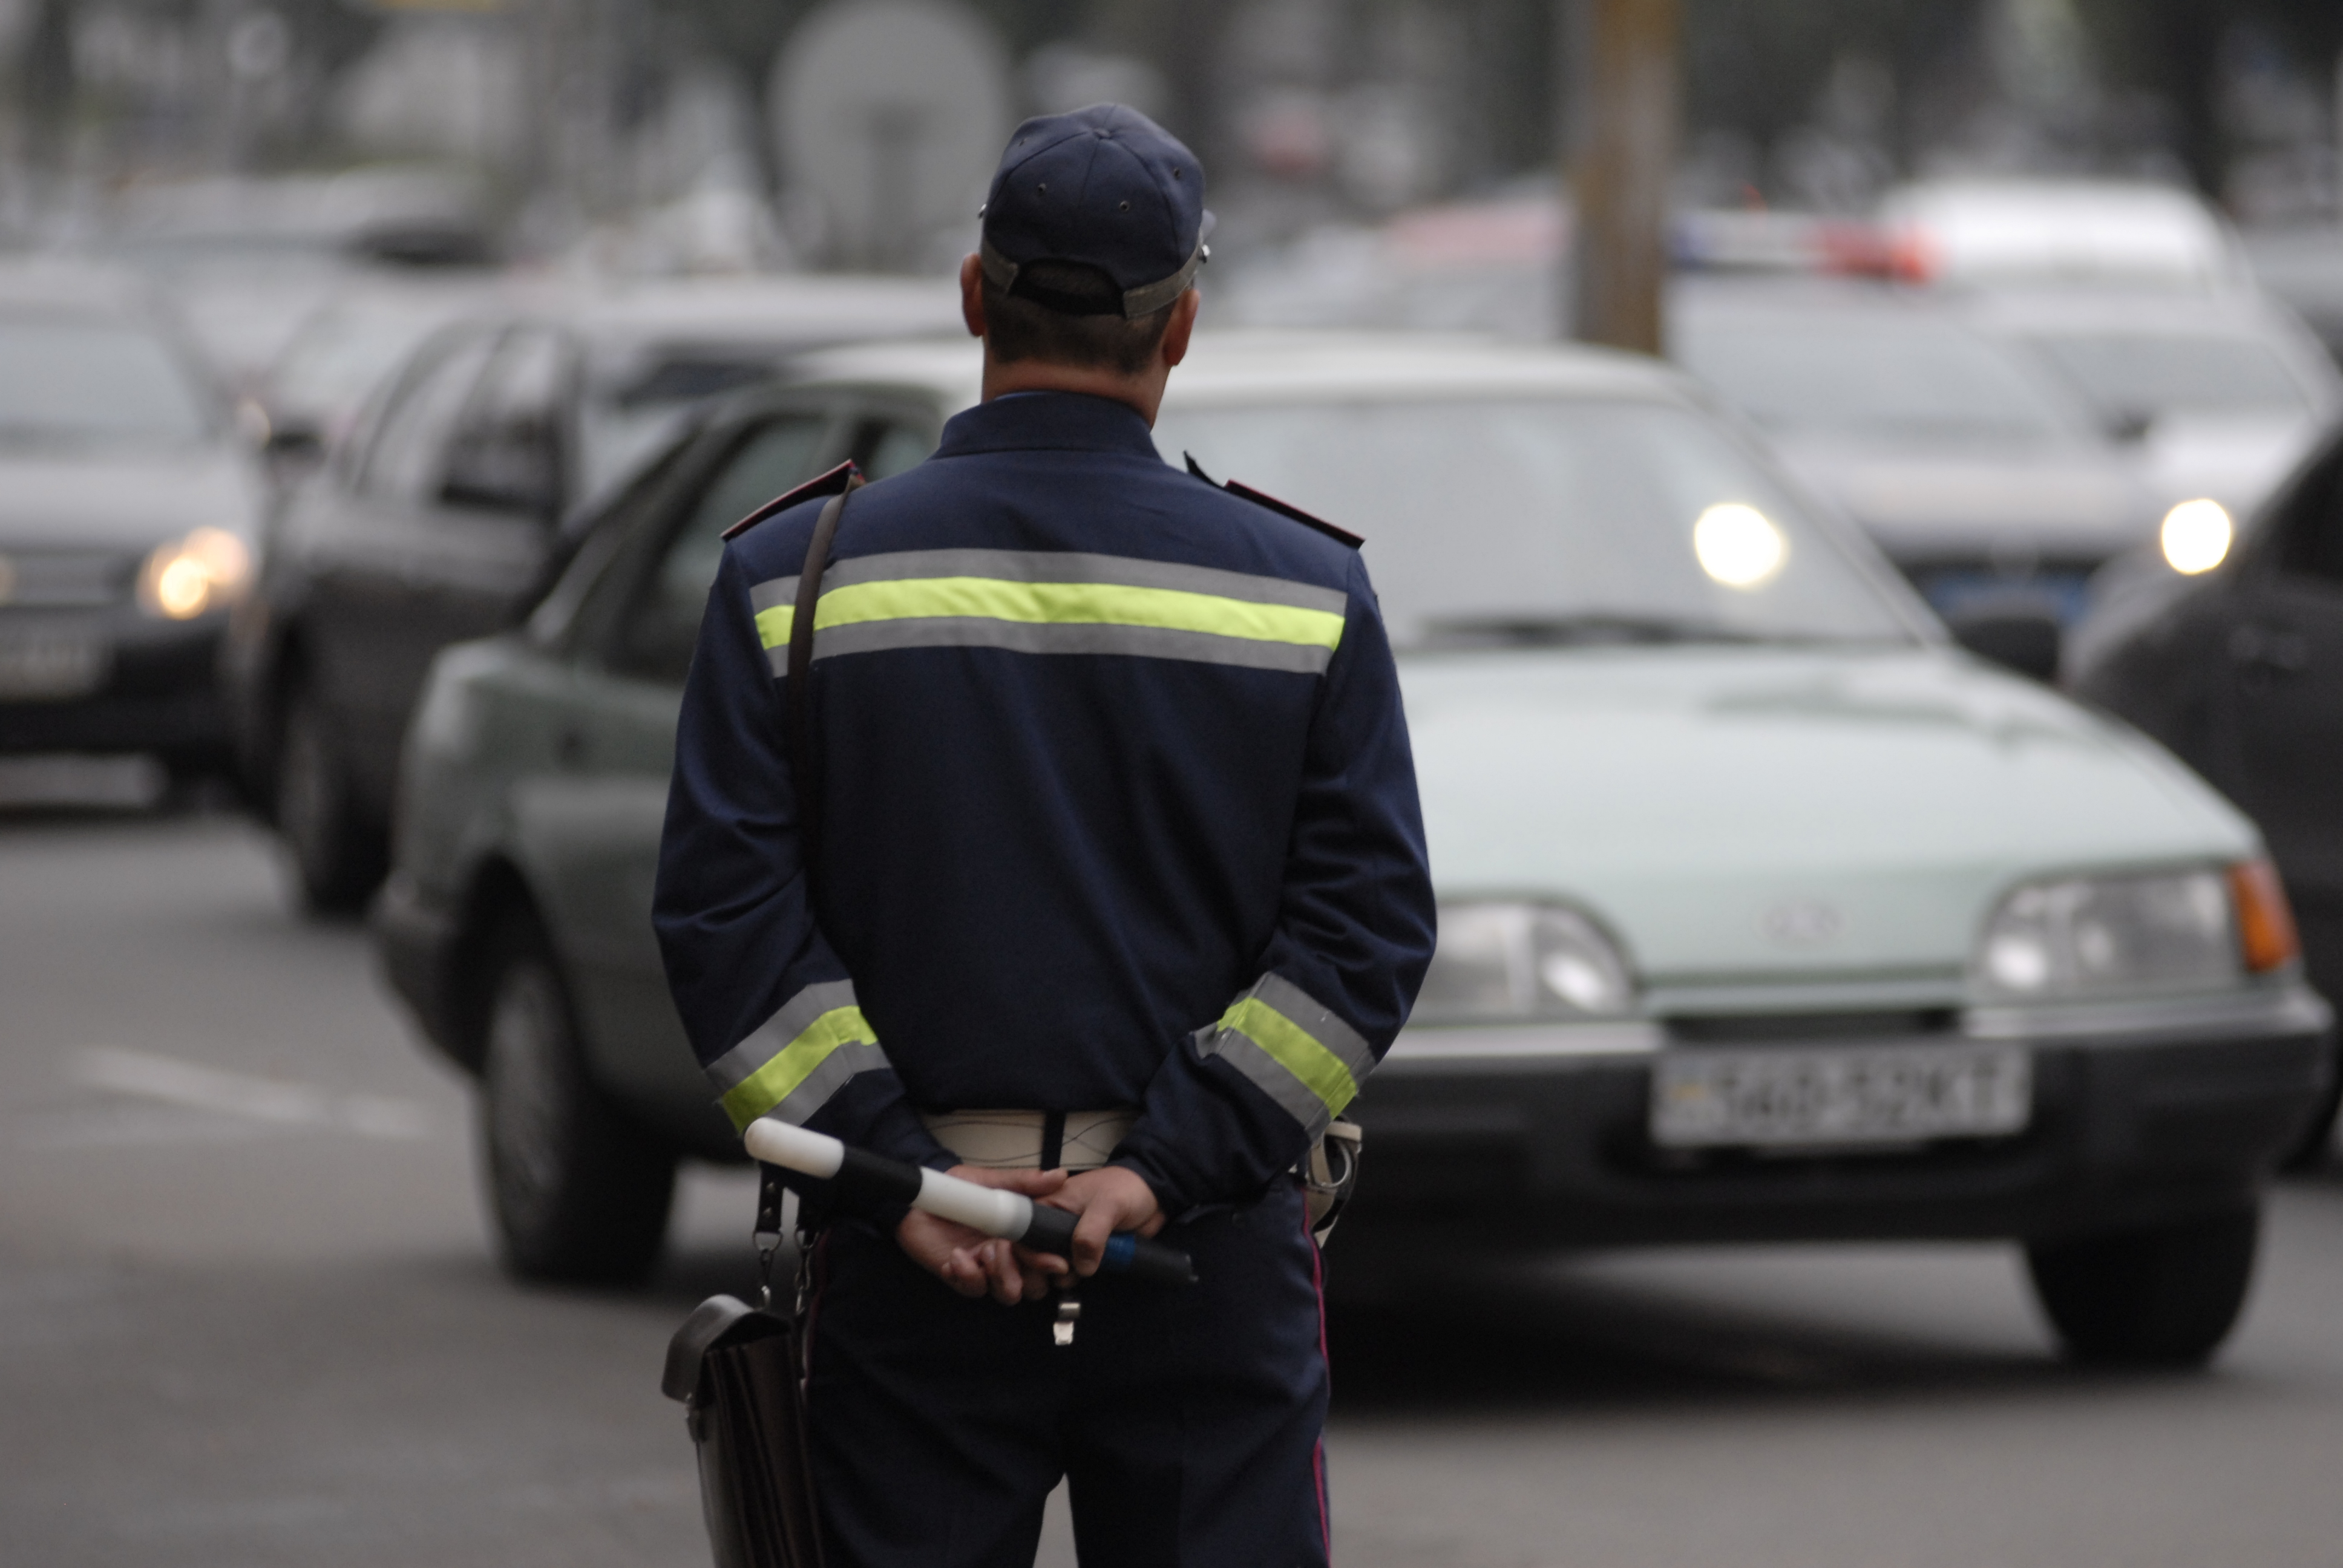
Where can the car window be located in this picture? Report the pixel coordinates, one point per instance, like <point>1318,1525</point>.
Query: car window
<point>506,453</point>
<point>1869,378</point>
<point>885,448</point>
<point>67,382</point>
<point>663,623</point>
<point>406,461</point>
<point>1560,519</point>
<point>2145,374</point>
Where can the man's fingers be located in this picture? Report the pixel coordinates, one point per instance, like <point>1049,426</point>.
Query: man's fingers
<point>1091,1233</point>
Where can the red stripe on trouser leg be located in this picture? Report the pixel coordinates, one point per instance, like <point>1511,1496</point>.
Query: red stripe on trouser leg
<point>1318,1448</point>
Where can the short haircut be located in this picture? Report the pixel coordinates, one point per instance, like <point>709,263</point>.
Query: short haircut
<point>1069,313</point>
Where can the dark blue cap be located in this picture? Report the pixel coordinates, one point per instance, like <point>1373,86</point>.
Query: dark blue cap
<point>1106,187</point>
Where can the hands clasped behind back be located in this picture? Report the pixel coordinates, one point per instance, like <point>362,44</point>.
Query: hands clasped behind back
<point>1109,1199</point>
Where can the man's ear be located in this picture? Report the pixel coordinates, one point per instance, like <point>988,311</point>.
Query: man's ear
<point>971,294</point>
<point>1180,328</point>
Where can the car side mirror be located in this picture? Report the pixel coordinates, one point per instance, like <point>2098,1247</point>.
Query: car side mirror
<point>508,470</point>
<point>292,442</point>
<point>2022,637</point>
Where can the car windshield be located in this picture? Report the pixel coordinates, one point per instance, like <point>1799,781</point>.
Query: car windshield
<point>343,353</point>
<point>80,382</point>
<point>633,404</point>
<point>2142,374</point>
<point>1552,520</point>
<point>1869,377</point>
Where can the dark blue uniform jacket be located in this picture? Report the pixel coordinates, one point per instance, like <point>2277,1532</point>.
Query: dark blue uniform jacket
<point>1117,810</point>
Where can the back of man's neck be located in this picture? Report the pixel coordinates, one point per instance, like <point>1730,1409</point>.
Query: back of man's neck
<point>1144,393</point>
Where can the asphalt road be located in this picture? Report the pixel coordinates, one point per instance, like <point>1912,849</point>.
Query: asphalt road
<point>248,1318</point>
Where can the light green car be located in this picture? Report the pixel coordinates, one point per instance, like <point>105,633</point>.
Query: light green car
<point>1767,913</point>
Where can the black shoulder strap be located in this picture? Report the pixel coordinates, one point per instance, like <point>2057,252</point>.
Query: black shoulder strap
<point>830,484</point>
<point>802,772</point>
<point>1340,535</point>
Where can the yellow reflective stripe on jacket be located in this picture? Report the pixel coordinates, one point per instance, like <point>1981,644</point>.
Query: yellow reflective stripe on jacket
<point>795,1063</point>
<point>773,625</point>
<point>1319,1069</point>
<point>1063,604</point>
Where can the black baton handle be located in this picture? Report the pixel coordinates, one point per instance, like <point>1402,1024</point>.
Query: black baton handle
<point>1053,1230</point>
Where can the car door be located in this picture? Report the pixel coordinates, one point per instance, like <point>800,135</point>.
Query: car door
<point>2285,648</point>
<point>593,825</point>
<point>369,564</point>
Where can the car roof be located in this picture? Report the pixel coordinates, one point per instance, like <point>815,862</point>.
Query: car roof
<point>56,286</point>
<point>1246,366</point>
<point>747,312</point>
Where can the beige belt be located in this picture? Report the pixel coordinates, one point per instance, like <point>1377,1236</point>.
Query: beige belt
<point>1014,1139</point>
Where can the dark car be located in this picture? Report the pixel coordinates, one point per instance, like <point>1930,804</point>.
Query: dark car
<point>438,520</point>
<point>128,508</point>
<point>2240,671</point>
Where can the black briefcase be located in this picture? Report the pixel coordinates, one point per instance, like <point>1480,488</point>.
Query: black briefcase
<point>736,1368</point>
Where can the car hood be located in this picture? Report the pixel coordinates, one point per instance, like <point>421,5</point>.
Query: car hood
<point>1765,814</point>
<point>1938,503</point>
<point>116,499</point>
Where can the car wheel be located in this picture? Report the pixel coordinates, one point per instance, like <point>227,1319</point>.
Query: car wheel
<point>578,1193</point>
<point>2165,1297</point>
<point>338,857</point>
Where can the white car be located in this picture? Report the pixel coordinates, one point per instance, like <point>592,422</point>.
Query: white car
<point>2220,395</point>
<point>1766,914</point>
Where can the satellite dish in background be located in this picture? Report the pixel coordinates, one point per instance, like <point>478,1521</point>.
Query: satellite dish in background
<point>890,115</point>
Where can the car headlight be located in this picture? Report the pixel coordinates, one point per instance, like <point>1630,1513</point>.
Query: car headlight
<point>1511,961</point>
<point>2158,930</point>
<point>183,578</point>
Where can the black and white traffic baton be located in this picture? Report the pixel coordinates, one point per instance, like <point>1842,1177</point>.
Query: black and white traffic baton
<point>865,1181</point>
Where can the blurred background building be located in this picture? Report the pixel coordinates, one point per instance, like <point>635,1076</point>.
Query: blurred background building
<point>718,134</point>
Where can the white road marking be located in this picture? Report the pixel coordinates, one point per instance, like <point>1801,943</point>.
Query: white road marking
<point>147,1076</point>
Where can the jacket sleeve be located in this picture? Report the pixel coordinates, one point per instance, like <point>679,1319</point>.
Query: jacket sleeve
<point>770,1009</point>
<point>1243,1098</point>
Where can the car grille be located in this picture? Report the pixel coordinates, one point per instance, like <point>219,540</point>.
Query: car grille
<point>1809,1027</point>
<point>64,579</point>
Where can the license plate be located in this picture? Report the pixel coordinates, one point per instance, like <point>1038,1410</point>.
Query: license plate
<point>48,668</point>
<point>1820,1098</point>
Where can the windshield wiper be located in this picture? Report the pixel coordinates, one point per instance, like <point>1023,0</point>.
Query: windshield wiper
<point>1576,630</point>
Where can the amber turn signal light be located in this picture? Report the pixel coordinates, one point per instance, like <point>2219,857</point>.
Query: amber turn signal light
<point>2265,922</point>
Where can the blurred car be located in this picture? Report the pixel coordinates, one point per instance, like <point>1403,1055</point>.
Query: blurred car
<point>1766,913</point>
<point>2093,233</point>
<point>128,512</point>
<point>1985,482</point>
<point>2220,395</point>
<point>439,518</point>
<point>310,396</point>
<point>245,260</point>
<point>2239,669</point>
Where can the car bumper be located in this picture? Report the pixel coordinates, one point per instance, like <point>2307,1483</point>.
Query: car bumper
<point>155,687</point>
<point>415,942</point>
<point>2140,1114</point>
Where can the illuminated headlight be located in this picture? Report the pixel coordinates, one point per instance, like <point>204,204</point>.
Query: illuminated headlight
<point>1511,961</point>
<point>2196,537</point>
<point>205,571</point>
<point>2164,931</point>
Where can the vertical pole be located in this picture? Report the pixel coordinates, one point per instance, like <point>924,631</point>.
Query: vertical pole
<point>1623,56</point>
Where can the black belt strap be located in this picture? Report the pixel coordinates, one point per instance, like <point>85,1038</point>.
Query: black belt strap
<point>803,774</point>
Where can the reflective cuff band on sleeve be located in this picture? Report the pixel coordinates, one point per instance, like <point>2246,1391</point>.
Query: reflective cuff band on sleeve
<point>805,1054</point>
<point>1293,1050</point>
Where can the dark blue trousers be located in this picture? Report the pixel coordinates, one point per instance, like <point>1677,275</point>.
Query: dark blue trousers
<point>1186,1420</point>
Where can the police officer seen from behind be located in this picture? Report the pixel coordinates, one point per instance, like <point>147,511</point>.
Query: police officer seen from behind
<point>1121,893</point>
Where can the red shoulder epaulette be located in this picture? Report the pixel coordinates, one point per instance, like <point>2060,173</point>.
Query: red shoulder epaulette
<point>828,484</point>
<point>1340,535</point>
